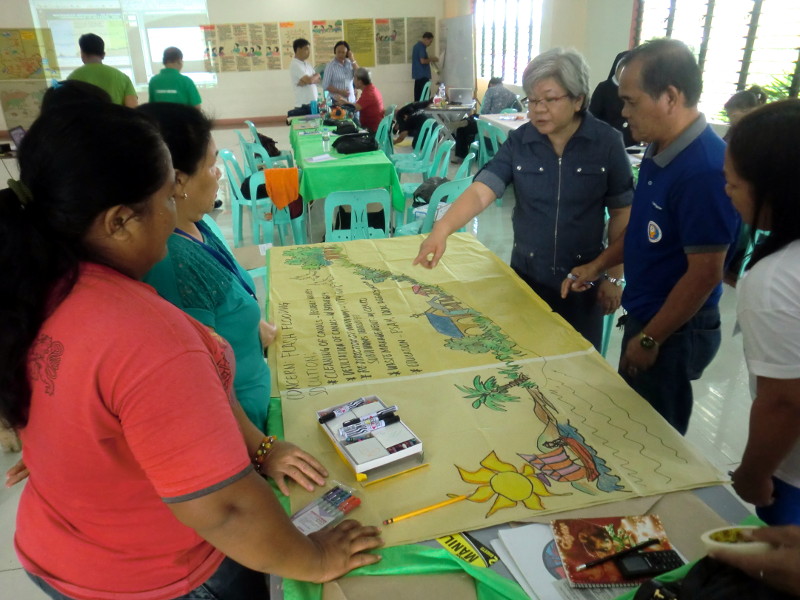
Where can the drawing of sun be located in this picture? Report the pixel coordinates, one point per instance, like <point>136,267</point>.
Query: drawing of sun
<point>510,486</point>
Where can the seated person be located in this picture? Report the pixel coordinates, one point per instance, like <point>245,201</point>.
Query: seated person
<point>496,98</point>
<point>370,102</point>
<point>409,120</point>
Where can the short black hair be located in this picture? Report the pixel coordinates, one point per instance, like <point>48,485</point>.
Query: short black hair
<point>341,43</point>
<point>746,99</point>
<point>73,91</point>
<point>427,35</point>
<point>186,132</point>
<point>300,43</point>
<point>172,54</point>
<point>495,81</point>
<point>92,44</point>
<point>667,62</point>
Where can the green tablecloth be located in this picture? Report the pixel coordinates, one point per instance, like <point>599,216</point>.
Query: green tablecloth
<point>363,171</point>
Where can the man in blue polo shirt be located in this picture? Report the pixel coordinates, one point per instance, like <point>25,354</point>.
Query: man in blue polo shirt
<point>681,227</point>
<point>421,64</point>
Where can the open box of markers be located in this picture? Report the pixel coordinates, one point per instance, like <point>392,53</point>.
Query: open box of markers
<point>371,438</point>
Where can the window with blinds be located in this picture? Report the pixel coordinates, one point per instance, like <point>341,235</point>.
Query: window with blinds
<point>738,43</point>
<point>506,37</point>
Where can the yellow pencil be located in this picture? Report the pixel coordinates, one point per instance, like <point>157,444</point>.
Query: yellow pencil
<point>414,513</point>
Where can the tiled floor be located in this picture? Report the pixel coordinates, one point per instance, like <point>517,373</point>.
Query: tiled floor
<point>722,401</point>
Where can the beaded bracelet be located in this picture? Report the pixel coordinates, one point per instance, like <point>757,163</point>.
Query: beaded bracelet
<point>264,448</point>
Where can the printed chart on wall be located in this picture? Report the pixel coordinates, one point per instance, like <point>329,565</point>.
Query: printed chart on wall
<point>360,34</point>
<point>518,414</point>
<point>27,60</point>
<point>325,34</point>
<point>290,31</point>
<point>390,41</point>
<point>415,27</point>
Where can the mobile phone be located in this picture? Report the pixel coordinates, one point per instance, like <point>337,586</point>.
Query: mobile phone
<point>647,564</point>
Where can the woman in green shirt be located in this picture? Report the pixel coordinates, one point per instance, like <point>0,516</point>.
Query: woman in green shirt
<point>199,275</point>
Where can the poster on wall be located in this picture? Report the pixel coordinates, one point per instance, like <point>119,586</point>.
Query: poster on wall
<point>21,101</point>
<point>255,33</point>
<point>242,52</point>
<point>325,34</point>
<point>210,52</point>
<point>290,31</point>
<point>225,52</point>
<point>390,41</point>
<point>272,46</point>
<point>360,34</point>
<point>27,54</point>
<point>415,27</point>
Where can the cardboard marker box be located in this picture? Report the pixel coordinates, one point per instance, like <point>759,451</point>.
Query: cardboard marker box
<point>382,453</point>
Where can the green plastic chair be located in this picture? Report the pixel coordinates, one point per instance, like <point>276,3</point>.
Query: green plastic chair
<point>357,201</point>
<point>474,148</point>
<point>509,110</point>
<point>422,161</point>
<point>384,136</point>
<point>388,111</point>
<point>447,193</point>
<point>278,217</point>
<point>426,92</point>
<point>463,170</point>
<point>419,142</point>
<point>438,168</point>
<point>489,139</point>
<point>236,176</point>
<point>282,157</point>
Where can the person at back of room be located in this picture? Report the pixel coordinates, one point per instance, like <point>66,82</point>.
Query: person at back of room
<point>169,85</point>
<point>115,82</point>
<point>142,480</point>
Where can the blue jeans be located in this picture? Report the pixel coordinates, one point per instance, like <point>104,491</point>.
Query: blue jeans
<point>682,358</point>
<point>785,510</point>
<point>231,581</point>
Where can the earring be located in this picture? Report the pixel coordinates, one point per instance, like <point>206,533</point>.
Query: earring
<point>185,196</point>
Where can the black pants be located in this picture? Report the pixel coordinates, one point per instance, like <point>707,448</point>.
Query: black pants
<point>465,136</point>
<point>418,85</point>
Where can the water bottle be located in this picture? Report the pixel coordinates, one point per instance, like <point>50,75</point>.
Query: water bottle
<point>326,141</point>
<point>314,108</point>
<point>442,92</point>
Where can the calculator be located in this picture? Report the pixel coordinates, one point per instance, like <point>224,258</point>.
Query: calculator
<point>647,564</point>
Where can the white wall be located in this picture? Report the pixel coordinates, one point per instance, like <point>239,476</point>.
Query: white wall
<point>598,29</point>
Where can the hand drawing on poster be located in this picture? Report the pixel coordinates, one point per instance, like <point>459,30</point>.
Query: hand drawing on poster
<point>415,27</point>
<point>290,31</point>
<point>360,34</point>
<point>390,41</point>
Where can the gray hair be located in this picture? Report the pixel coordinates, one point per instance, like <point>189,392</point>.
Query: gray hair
<point>363,76</point>
<point>567,66</point>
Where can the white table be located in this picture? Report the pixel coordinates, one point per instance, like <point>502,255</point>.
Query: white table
<point>507,121</point>
<point>449,115</point>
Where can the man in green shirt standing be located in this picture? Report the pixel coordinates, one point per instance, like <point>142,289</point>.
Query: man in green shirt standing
<point>114,81</point>
<point>169,85</point>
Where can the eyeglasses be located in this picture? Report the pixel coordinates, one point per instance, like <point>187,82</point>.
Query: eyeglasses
<point>548,102</point>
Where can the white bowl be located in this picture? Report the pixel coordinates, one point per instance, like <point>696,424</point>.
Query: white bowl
<point>740,547</point>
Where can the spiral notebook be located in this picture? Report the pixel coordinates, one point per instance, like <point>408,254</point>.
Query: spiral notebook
<point>581,541</point>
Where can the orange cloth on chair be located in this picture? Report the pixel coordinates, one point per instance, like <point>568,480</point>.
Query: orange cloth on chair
<point>283,185</point>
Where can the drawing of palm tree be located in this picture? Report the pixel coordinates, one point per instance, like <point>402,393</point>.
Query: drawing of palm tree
<point>491,395</point>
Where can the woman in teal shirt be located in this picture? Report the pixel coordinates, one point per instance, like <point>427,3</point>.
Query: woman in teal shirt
<point>199,275</point>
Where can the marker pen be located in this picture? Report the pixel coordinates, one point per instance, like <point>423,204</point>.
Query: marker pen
<point>380,413</point>
<point>340,410</point>
<point>361,428</point>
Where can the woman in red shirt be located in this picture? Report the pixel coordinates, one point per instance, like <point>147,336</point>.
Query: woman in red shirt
<point>142,482</point>
<point>370,102</point>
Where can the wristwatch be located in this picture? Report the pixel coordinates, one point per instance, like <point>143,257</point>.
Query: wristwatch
<point>647,341</point>
<point>617,281</point>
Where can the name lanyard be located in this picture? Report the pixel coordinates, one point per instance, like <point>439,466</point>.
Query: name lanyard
<point>222,258</point>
